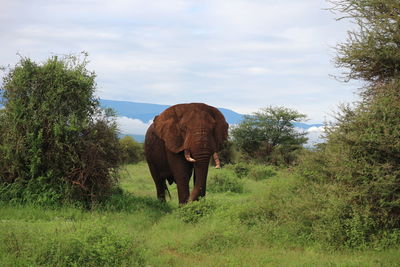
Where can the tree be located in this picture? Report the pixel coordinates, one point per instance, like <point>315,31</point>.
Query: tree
<point>132,151</point>
<point>372,52</point>
<point>361,156</point>
<point>260,134</point>
<point>56,143</point>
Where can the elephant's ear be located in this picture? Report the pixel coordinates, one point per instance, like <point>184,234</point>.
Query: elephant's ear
<point>221,128</point>
<point>167,128</point>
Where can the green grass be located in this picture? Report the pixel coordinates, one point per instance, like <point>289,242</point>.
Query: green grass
<point>253,226</point>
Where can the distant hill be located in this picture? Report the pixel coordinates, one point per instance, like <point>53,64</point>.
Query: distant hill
<point>146,112</point>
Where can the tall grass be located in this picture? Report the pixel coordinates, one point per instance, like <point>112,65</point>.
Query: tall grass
<point>274,221</point>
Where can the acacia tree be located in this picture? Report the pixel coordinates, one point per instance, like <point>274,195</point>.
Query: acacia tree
<point>267,131</point>
<point>372,51</point>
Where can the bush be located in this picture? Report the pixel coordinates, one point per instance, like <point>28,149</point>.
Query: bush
<point>55,144</point>
<point>225,181</point>
<point>261,172</point>
<point>132,151</point>
<point>194,211</point>
<point>361,156</point>
<point>241,169</point>
<point>228,154</point>
<point>92,247</point>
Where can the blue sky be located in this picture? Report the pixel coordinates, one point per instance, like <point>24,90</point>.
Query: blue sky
<point>237,54</point>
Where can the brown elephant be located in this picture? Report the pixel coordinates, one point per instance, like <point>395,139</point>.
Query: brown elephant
<point>182,139</point>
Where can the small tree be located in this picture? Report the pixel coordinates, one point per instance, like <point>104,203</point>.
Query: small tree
<point>55,141</point>
<point>132,151</point>
<point>260,135</point>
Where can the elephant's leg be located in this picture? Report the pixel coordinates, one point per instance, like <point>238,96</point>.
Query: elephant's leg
<point>181,171</point>
<point>158,181</point>
<point>183,192</point>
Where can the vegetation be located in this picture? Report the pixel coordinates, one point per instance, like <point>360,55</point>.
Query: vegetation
<point>131,151</point>
<point>56,144</point>
<point>371,52</point>
<point>359,166</point>
<point>269,135</point>
<point>339,206</point>
<point>277,220</point>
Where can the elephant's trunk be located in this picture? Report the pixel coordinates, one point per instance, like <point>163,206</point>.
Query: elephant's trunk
<point>200,180</point>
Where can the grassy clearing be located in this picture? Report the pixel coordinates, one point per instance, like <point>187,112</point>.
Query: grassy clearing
<point>250,226</point>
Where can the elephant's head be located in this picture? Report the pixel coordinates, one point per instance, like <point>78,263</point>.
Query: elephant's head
<point>196,128</point>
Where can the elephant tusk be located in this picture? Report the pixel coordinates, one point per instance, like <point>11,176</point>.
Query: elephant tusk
<point>188,157</point>
<point>217,161</point>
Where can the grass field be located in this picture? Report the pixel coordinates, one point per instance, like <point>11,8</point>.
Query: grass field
<point>235,226</point>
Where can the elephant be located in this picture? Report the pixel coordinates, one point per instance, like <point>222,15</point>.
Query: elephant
<point>181,141</point>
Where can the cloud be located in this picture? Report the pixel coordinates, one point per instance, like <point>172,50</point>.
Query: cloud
<point>132,126</point>
<point>315,129</point>
<point>237,54</point>
<point>315,135</point>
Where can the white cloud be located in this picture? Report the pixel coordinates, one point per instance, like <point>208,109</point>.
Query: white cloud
<point>315,135</point>
<point>132,126</point>
<point>315,129</point>
<point>237,54</point>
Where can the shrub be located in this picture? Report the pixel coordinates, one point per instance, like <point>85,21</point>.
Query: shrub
<point>98,246</point>
<point>241,169</point>
<point>225,181</point>
<point>194,211</point>
<point>361,156</point>
<point>132,151</point>
<point>261,172</point>
<point>55,144</point>
<point>228,154</point>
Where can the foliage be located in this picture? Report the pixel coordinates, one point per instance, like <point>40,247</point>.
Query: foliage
<point>224,181</point>
<point>228,154</point>
<point>261,172</point>
<point>69,244</point>
<point>193,212</point>
<point>241,169</point>
<point>359,166</point>
<point>259,135</point>
<point>253,171</point>
<point>56,144</point>
<point>371,52</point>
<point>132,151</point>
<point>281,221</point>
<point>362,156</point>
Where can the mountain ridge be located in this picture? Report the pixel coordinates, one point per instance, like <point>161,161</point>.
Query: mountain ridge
<point>147,111</point>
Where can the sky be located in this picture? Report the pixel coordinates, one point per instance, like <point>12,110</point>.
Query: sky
<point>237,54</point>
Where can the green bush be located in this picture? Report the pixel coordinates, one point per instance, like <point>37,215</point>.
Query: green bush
<point>132,151</point>
<point>127,202</point>
<point>69,244</point>
<point>261,172</point>
<point>361,158</point>
<point>228,154</point>
<point>225,181</point>
<point>56,144</point>
<point>241,169</point>
<point>194,211</point>
<point>98,246</point>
